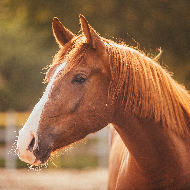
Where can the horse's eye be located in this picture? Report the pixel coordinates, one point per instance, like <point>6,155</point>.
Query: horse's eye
<point>80,79</point>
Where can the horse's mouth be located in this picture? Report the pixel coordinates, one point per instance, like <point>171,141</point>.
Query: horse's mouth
<point>41,153</point>
<point>43,158</point>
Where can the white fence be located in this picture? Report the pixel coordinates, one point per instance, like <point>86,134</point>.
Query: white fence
<point>13,121</point>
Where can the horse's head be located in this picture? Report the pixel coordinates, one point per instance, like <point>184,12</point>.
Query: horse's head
<point>75,102</point>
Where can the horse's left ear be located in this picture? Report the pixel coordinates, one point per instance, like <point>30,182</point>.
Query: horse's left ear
<point>62,35</point>
<point>92,37</point>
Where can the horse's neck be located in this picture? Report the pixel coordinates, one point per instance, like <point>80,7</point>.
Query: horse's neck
<point>154,152</point>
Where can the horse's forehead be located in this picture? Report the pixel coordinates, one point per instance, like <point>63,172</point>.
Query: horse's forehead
<point>75,54</point>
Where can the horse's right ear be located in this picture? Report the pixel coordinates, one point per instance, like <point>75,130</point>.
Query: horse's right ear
<point>62,35</point>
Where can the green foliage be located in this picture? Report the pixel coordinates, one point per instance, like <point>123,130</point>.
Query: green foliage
<point>27,44</point>
<point>21,164</point>
<point>78,162</point>
<point>2,163</point>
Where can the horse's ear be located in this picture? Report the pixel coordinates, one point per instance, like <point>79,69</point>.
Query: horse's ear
<point>62,35</point>
<point>92,37</point>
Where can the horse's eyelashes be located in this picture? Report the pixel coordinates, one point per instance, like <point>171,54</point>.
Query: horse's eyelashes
<point>80,79</point>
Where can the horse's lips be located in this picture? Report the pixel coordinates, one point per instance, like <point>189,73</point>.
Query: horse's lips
<point>42,159</point>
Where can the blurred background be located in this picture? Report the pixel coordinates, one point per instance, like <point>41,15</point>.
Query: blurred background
<point>27,46</point>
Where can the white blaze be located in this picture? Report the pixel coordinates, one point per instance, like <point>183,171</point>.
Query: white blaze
<point>28,132</point>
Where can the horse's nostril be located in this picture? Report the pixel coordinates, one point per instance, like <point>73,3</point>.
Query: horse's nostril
<point>31,145</point>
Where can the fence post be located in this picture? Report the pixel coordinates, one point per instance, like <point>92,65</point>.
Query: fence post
<point>10,134</point>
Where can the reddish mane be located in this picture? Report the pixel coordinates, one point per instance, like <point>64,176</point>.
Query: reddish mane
<point>146,89</point>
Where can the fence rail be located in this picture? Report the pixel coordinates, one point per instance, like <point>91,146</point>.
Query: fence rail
<point>20,118</point>
<point>10,124</point>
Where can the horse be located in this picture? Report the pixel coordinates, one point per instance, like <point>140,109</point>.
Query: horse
<point>94,82</point>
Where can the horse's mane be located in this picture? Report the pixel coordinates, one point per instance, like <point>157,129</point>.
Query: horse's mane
<point>146,89</point>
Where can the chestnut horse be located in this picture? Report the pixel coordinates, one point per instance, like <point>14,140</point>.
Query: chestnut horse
<point>93,82</point>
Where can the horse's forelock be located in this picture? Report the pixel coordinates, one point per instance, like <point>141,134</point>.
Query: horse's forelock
<point>72,53</point>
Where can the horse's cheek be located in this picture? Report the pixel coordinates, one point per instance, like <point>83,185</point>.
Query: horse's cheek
<point>72,105</point>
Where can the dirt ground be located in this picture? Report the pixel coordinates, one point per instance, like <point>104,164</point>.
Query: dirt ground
<point>48,179</point>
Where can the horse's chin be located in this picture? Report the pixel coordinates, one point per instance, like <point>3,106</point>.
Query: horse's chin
<point>44,159</point>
